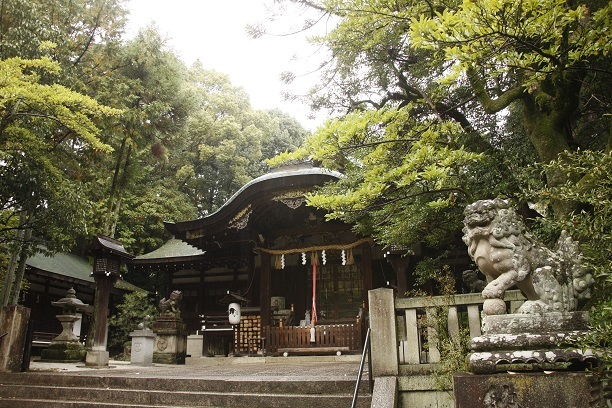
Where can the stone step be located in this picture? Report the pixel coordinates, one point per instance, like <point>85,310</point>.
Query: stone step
<point>50,389</point>
<point>248,385</point>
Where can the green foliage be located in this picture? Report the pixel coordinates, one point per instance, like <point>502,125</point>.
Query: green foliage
<point>591,224</point>
<point>129,313</point>
<point>534,37</point>
<point>43,130</point>
<point>27,104</point>
<point>402,175</point>
<point>75,167</point>
<point>466,62</point>
<point>228,141</point>
<point>141,224</point>
<point>536,52</point>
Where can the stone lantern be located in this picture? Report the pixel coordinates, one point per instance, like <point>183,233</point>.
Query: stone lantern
<point>66,346</point>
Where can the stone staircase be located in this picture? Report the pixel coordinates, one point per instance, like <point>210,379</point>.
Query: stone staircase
<point>49,390</point>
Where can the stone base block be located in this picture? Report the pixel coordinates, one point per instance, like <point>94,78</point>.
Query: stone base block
<point>13,327</point>
<point>169,358</point>
<point>488,362</point>
<point>554,322</point>
<point>142,347</point>
<point>63,353</point>
<point>170,349</point>
<point>554,390</point>
<point>195,345</point>
<point>97,358</point>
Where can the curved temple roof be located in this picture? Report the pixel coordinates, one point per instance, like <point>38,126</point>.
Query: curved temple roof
<point>256,194</point>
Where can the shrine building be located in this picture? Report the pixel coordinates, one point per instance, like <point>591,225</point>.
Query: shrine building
<point>288,268</point>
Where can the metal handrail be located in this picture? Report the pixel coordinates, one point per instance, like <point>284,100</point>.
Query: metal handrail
<point>366,350</point>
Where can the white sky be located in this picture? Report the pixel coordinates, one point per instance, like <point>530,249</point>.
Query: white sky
<point>213,31</point>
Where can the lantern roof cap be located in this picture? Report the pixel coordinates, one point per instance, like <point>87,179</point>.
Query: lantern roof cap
<point>107,245</point>
<point>70,301</point>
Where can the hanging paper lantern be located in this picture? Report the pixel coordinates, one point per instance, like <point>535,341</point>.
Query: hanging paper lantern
<point>234,313</point>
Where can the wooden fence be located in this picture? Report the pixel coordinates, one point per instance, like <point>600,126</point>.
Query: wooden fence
<point>327,339</point>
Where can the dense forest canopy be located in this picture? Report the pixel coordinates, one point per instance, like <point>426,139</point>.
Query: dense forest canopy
<point>99,134</point>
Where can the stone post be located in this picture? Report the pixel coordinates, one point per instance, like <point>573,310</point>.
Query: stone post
<point>143,342</point>
<point>13,326</point>
<point>383,335</point>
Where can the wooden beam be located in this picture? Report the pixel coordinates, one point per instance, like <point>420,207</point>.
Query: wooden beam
<point>264,294</point>
<point>366,271</point>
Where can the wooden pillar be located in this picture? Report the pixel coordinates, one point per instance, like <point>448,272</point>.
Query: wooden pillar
<point>108,254</point>
<point>250,273</point>
<point>201,294</point>
<point>104,285</point>
<point>264,294</point>
<point>399,263</point>
<point>366,271</point>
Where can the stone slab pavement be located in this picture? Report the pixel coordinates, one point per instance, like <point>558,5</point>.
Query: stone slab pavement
<point>278,368</point>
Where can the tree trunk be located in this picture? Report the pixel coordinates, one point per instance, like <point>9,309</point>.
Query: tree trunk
<point>547,133</point>
<point>23,257</point>
<point>119,193</point>
<point>12,265</point>
<point>113,192</point>
<point>10,277</point>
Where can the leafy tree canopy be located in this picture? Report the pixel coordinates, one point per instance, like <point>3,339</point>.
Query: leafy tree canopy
<point>432,83</point>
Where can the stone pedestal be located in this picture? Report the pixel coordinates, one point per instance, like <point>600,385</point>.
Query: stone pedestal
<point>13,327</point>
<point>528,342</point>
<point>542,390</point>
<point>65,347</point>
<point>195,345</point>
<point>170,339</point>
<point>527,360</point>
<point>143,343</point>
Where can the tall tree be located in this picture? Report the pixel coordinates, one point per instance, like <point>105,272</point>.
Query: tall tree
<point>47,128</point>
<point>228,140</point>
<point>149,85</point>
<point>42,128</point>
<point>535,53</point>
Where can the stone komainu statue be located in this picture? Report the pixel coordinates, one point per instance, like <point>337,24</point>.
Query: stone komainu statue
<point>171,305</point>
<point>508,255</point>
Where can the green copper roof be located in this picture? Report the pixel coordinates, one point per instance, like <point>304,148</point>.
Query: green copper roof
<point>62,264</point>
<point>71,266</point>
<point>174,248</point>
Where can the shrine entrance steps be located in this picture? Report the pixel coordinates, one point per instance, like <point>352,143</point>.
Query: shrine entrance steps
<point>244,385</point>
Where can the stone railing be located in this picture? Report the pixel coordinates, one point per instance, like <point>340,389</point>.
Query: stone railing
<point>418,340</point>
<point>400,334</point>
